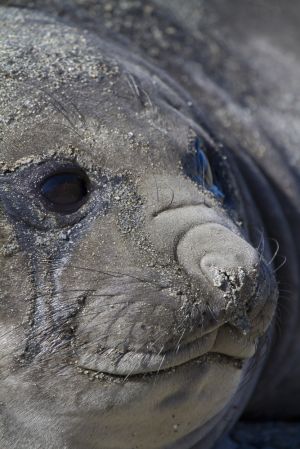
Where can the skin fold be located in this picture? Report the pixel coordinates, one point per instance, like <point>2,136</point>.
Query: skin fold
<point>153,313</point>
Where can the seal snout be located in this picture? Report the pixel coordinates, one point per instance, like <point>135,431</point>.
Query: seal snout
<point>233,274</point>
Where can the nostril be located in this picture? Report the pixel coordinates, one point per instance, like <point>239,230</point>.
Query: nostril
<point>230,270</point>
<point>237,286</point>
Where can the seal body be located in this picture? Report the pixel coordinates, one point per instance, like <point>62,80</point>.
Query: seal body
<point>149,214</point>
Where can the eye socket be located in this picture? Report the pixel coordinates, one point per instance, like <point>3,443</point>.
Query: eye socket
<point>65,192</point>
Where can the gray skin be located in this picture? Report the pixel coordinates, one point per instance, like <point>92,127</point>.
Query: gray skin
<point>147,318</point>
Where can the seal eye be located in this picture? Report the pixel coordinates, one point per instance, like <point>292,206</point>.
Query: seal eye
<point>204,169</point>
<point>198,167</point>
<point>206,176</point>
<point>65,192</point>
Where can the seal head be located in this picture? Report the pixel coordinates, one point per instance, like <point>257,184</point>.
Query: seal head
<point>126,257</point>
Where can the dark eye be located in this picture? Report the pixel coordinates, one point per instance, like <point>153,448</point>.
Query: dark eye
<point>205,173</point>
<point>65,192</point>
<point>197,166</point>
<point>204,169</point>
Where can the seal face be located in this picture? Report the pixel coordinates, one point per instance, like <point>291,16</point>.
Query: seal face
<point>125,257</point>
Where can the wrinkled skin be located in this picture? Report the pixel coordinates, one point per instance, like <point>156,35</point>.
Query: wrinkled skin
<point>145,317</point>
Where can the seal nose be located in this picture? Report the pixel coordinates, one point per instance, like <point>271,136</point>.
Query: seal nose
<point>227,266</point>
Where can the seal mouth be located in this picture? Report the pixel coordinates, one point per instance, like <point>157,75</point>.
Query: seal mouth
<point>209,357</point>
<point>134,364</point>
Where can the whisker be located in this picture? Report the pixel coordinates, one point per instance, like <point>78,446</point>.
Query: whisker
<point>178,343</point>
<point>276,251</point>
<point>281,265</point>
<point>159,368</point>
<point>115,274</point>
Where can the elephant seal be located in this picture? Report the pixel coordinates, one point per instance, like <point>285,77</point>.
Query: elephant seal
<point>147,201</point>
